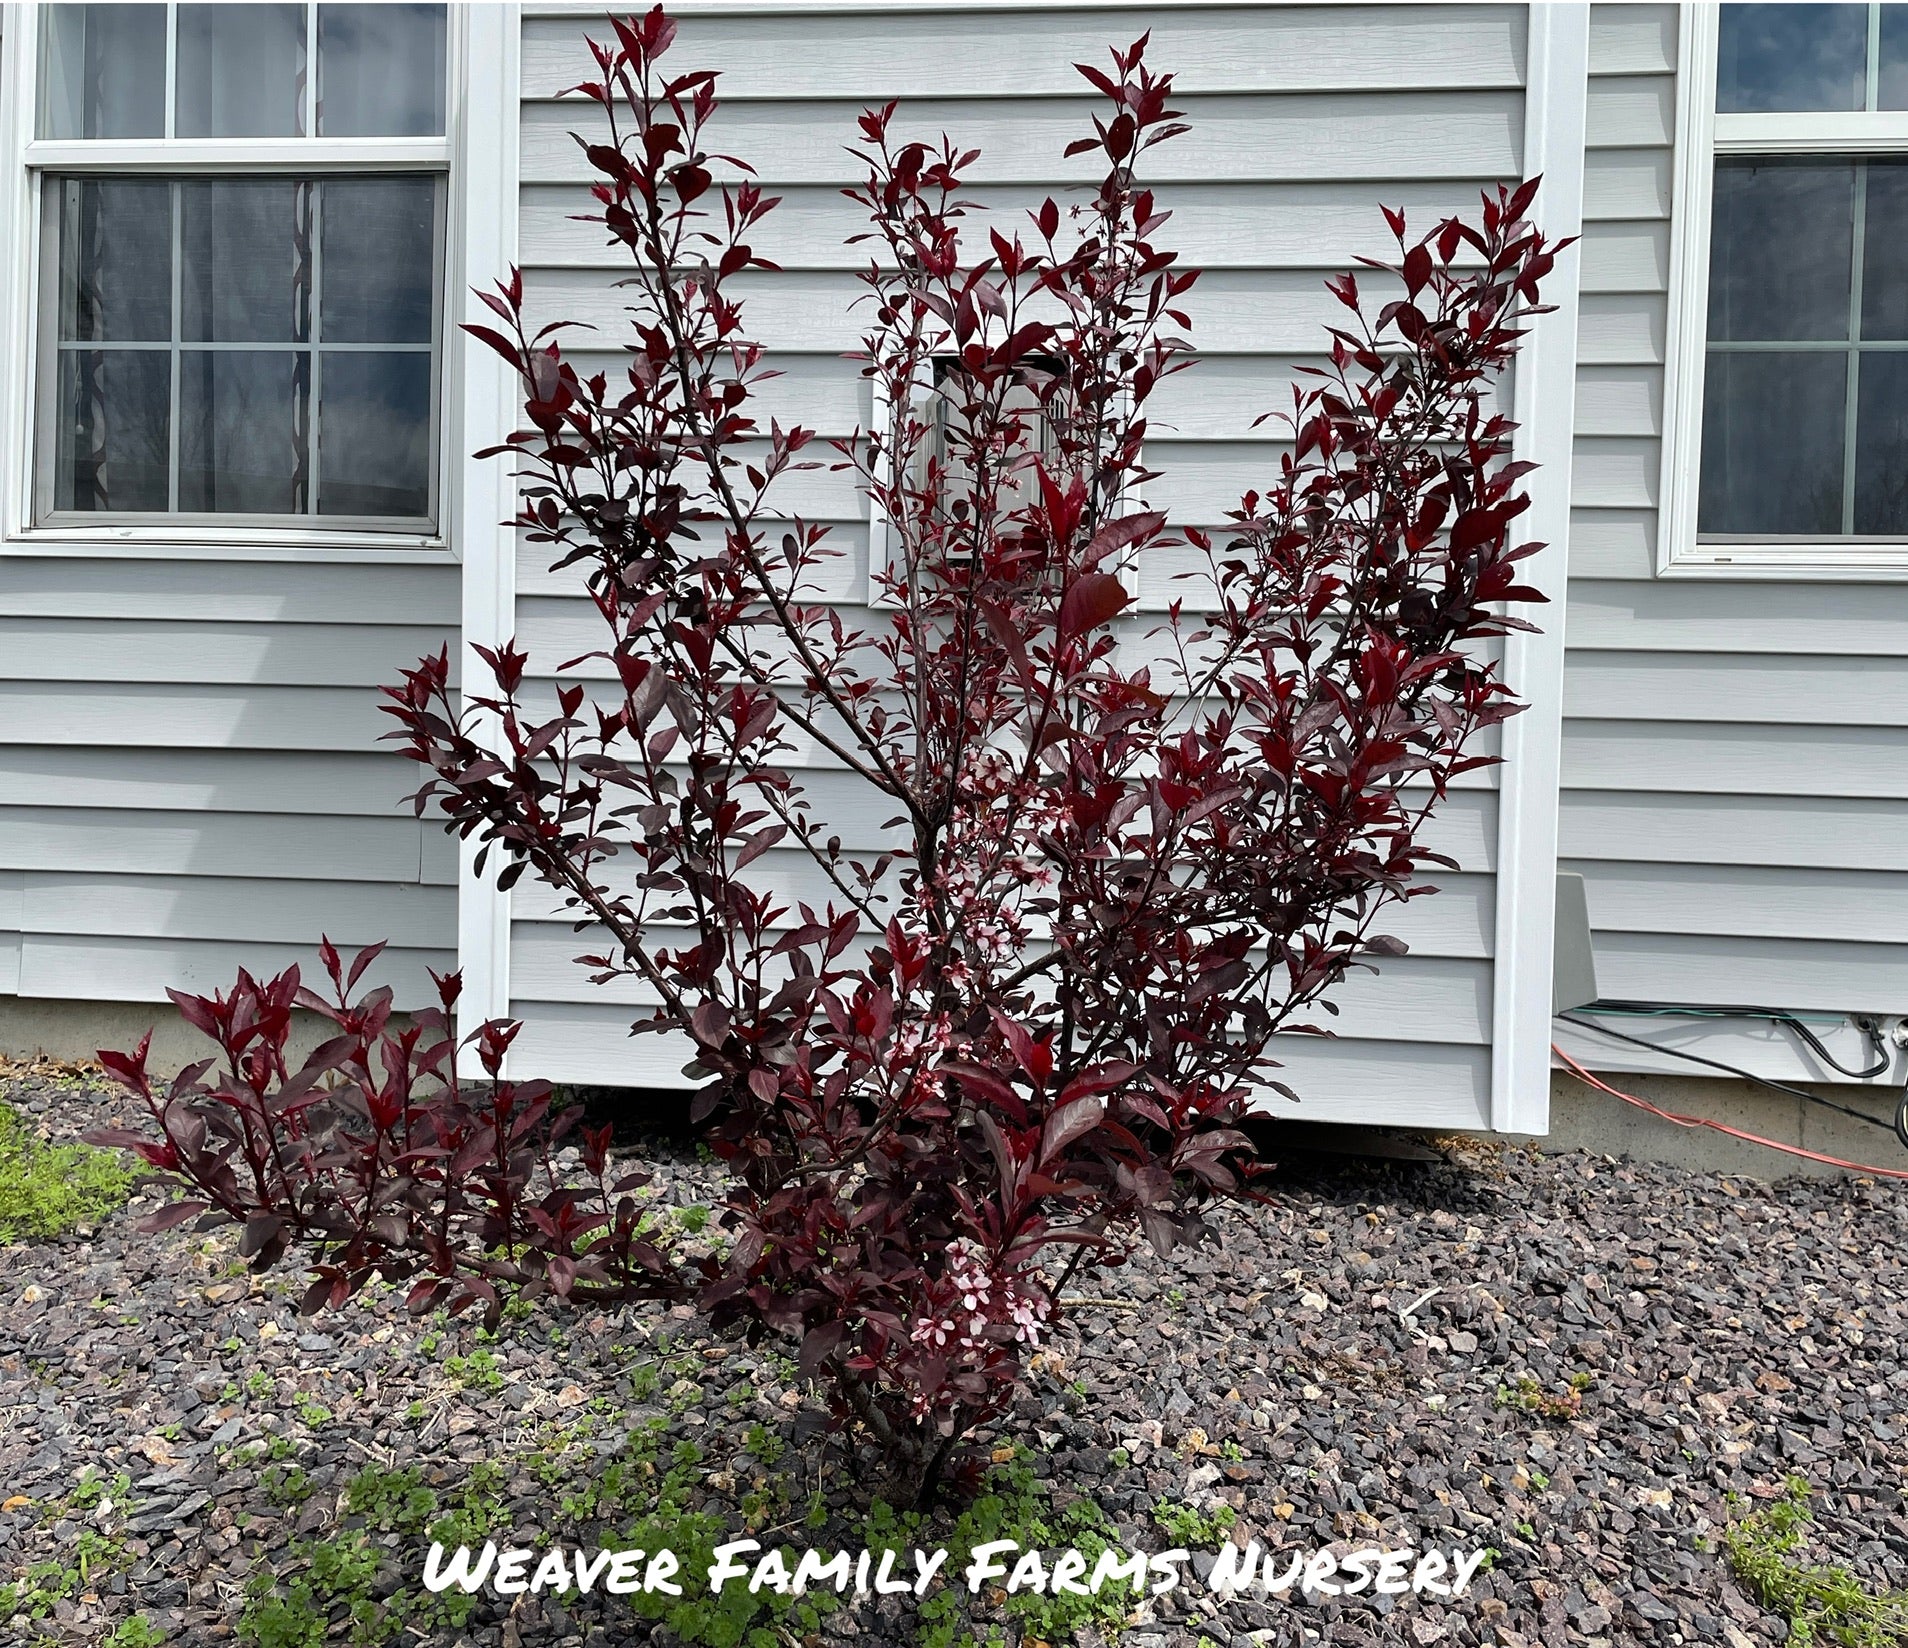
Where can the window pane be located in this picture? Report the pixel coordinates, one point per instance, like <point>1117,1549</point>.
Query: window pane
<point>1772,442</point>
<point>270,330</point>
<point>241,71</point>
<point>1884,240</point>
<point>1892,92</point>
<point>379,259</point>
<point>111,444</point>
<point>115,277</point>
<point>374,434</point>
<point>242,430</point>
<point>1881,444</point>
<point>381,71</point>
<point>1771,58</point>
<point>100,72</point>
<point>1779,258</point>
<point>245,254</point>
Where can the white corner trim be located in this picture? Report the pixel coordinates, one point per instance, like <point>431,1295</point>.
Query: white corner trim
<point>483,508</point>
<point>1554,115</point>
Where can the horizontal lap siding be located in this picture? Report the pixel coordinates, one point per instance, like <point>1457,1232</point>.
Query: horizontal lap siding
<point>1456,922</point>
<point>1372,137</point>
<point>191,778</point>
<point>1304,120</point>
<point>1431,1084</point>
<point>1735,758</point>
<point>865,57</point>
<point>1245,225</point>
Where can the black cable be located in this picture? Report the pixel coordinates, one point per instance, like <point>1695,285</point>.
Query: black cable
<point>1776,1015</point>
<point>1899,1127</point>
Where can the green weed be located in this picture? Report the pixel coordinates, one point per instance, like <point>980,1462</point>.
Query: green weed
<point>1193,1528</point>
<point>1017,1505</point>
<point>1526,1395</point>
<point>49,1189</point>
<point>480,1370</point>
<point>1820,1601</point>
<point>49,1583</point>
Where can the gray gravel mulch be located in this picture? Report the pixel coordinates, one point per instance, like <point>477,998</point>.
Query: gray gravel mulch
<point>1385,1356</point>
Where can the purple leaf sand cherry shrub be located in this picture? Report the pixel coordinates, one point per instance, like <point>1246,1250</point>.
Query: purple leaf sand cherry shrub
<point>1119,855</point>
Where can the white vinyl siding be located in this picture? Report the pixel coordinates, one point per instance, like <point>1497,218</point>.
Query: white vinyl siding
<point>191,779</point>
<point>193,776</point>
<point>1735,753</point>
<point>1304,120</point>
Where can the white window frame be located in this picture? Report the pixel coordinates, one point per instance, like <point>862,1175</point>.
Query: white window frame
<point>473,403</point>
<point>1702,135</point>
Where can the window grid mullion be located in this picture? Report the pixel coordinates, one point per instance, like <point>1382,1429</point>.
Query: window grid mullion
<point>440,236</point>
<point>171,123</point>
<point>1858,239</point>
<point>213,346</point>
<point>308,115</point>
<point>1804,346</point>
<point>1871,96</point>
<point>315,375</point>
<point>176,202</point>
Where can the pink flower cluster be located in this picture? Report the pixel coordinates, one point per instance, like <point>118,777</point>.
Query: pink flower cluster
<point>987,882</point>
<point>969,1299</point>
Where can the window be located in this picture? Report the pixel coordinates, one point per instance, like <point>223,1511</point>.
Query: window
<point>946,448</point>
<point>1787,448</point>
<point>939,409</point>
<point>241,212</point>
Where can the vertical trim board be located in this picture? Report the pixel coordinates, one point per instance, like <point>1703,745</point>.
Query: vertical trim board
<point>1555,115</point>
<point>483,532</point>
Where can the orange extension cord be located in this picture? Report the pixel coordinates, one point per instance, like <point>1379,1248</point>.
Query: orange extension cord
<point>1601,1086</point>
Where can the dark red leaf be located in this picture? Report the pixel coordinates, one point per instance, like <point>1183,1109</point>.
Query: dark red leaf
<point>1093,599</point>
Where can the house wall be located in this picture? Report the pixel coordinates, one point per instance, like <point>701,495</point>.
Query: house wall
<point>1733,750</point>
<point>1304,120</point>
<point>190,779</point>
<point>190,774</point>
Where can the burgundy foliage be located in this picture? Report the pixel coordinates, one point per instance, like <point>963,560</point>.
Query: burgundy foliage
<point>372,1149</point>
<point>1089,865</point>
